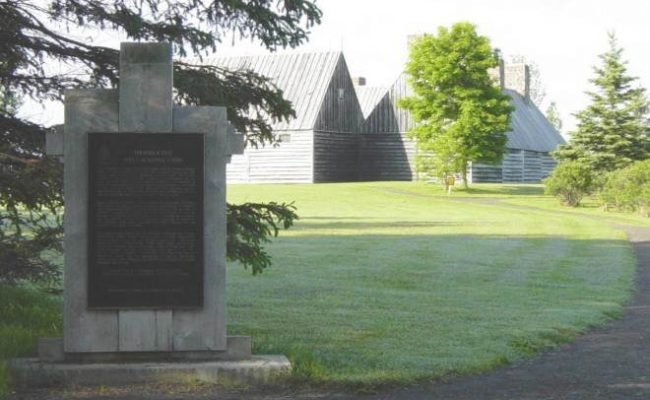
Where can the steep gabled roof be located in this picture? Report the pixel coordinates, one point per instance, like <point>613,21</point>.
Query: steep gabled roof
<point>303,77</point>
<point>387,117</point>
<point>530,128</point>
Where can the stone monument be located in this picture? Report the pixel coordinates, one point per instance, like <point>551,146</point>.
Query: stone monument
<point>145,235</point>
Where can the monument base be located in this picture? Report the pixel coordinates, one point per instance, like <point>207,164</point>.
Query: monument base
<point>32,372</point>
<point>54,367</point>
<point>51,350</point>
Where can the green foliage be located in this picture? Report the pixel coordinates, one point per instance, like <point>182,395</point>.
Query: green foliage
<point>29,202</point>
<point>35,33</point>
<point>250,225</point>
<point>612,132</point>
<point>460,115</point>
<point>628,188</point>
<point>570,181</point>
<point>26,314</point>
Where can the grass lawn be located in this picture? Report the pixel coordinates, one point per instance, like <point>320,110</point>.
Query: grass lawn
<point>394,282</point>
<point>529,195</point>
<point>26,314</point>
<point>398,282</point>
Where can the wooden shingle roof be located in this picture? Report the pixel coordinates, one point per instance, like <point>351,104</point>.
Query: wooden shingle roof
<point>303,77</point>
<point>530,128</point>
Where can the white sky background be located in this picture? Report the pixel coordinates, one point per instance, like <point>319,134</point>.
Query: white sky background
<point>564,38</point>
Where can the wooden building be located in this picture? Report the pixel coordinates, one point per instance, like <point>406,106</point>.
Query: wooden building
<point>386,153</point>
<point>321,143</point>
<point>392,155</point>
<point>345,131</point>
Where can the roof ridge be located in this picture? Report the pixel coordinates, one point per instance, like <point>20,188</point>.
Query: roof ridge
<point>274,54</point>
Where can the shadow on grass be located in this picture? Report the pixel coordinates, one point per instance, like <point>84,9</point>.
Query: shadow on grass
<point>355,225</point>
<point>331,302</point>
<point>508,190</point>
<point>468,302</point>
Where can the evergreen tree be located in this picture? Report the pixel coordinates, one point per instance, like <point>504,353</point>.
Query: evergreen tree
<point>460,115</point>
<point>612,132</point>
<point>553,116</point>
<point>35,33</point>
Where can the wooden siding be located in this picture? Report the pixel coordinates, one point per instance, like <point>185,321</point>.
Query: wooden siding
<point>382,119</point>
<point>320,87</point>
<point>290,161</point>
<point>532,167</point>
<point>518,166</point>
<point>386,157</point>
<point>485,173</point>
<point>529,142</point>
<point>335,157</point>
<point>340,110</point>
<point>512,165</point>
<point>548,164</point>
<point>387,117</point>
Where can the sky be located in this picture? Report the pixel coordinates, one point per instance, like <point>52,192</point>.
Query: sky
<point>563,37</point>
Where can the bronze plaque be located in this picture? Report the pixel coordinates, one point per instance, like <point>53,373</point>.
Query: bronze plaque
<point>145,220</point>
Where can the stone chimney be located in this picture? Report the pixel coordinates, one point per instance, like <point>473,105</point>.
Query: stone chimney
<point>359,81</point>
<point>497,74</point>
<point>517,78</point>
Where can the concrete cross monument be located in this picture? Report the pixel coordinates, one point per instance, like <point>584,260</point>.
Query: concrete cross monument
<point>145,230</point>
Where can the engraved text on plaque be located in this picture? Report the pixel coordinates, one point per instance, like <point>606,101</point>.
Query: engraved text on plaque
<point>145,220</point>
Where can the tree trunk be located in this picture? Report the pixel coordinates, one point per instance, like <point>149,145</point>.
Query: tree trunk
<point>464,172</point>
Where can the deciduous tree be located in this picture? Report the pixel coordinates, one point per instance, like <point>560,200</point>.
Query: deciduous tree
<point>460,115</point>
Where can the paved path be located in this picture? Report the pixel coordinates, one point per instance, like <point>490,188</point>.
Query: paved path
<point>612,362</point>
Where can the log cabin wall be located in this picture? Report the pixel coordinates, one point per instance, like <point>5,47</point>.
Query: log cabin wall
<point>386,116</point>
<point>385,152</point>
<point>336,131</point>
<point>518,166</point>
<point>290,161</point>
<point>306,80</point>
<point>335,157</point>
<point>529,143</point>
<point>386,157</point>
<point>343,133</point>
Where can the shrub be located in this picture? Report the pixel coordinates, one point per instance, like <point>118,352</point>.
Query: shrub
<point>570,181</point>
<point>628,188</point>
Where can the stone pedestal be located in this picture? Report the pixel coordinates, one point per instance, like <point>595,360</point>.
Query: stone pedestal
<point>32,373</point>
<point>116,343</point>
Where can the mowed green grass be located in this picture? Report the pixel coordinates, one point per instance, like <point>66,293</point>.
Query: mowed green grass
<point>394,282</point>
<point>26,314</point>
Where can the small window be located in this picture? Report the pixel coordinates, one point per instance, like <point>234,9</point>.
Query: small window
<point>284,138</point>
<point>341,94</point>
